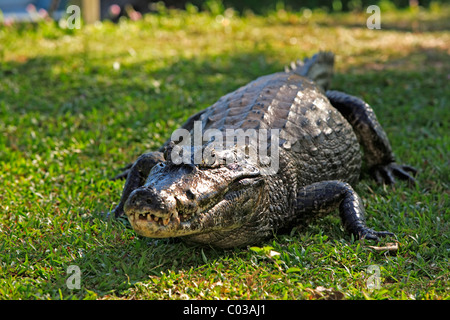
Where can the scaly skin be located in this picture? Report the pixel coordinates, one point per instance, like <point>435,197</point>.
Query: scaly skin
<point>234,204</point>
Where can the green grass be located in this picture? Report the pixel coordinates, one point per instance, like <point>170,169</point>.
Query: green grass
<point>69,120</point>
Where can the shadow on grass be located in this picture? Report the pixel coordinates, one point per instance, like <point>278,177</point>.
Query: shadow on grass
<point>77,84</point>
<point>115,269</point>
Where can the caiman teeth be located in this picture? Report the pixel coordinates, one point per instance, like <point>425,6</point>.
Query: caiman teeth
<point>152,218</point>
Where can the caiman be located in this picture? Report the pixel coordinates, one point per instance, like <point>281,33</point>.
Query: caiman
<point>237,202</point>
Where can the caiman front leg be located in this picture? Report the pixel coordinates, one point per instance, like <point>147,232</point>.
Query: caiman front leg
<point>377,149</point>
<point>137,173</point>
<point>326,196</point>
<point>136,177</point>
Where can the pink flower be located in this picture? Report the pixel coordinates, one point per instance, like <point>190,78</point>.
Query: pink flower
<point>115,9</point>
<point>8,22</point>
<point>31,8</point>
<point>43,13</point>
<point>134,15</point>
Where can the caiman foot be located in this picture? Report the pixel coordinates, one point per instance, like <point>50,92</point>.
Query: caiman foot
<point>124,173</point>
<point>387,173</point>
<point>370,234</point>
<point>117,212</point>
<point>326,196</point>
<point>136,175</point>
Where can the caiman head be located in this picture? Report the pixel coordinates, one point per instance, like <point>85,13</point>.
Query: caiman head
<point>210,202</point>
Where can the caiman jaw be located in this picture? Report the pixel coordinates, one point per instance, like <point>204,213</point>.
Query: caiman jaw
<point>150,212</point>
<point>175,218</point>
<point>160,214</point>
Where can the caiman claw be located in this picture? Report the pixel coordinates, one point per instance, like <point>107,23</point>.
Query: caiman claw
<point>370,234</point>
<point>387,173</point>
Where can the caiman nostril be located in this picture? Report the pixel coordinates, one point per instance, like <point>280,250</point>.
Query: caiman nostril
<point>141,197</point>
<point>148,202</point>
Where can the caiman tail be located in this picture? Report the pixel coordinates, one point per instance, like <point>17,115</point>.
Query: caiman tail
<point>318,68</point>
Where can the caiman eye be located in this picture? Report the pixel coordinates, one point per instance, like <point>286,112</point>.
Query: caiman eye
<point>233,166</point>
<point>210,159</point>
<point>190,195</point>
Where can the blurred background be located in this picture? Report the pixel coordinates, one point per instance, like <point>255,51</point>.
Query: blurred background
<point>20,9</point>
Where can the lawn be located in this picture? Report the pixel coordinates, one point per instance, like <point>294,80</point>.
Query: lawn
<point>77,105</point>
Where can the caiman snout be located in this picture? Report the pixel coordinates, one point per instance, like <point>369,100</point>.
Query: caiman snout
<point>147,204</point>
